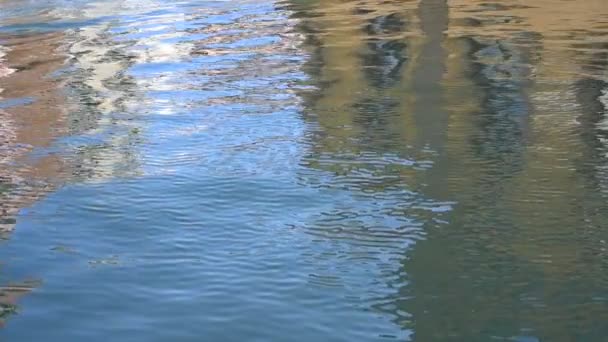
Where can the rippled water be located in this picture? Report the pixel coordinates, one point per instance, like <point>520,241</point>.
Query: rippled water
<point>304,170</point>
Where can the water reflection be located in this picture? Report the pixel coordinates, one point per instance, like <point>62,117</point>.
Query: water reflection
<point>421,170</point>
<point>31,114</point>
<point>370,142</point>
<point>515,265</point>
<point>31,117</point>
<point>485,92</point>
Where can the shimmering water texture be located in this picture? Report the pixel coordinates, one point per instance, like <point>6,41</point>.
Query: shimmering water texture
<point>304,170</point>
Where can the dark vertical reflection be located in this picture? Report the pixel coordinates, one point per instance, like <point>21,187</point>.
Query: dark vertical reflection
<point>377,120</point>
<point>456,275</point>
<point>429,112</point>
<point>520,257</point>
<point>591,96</point>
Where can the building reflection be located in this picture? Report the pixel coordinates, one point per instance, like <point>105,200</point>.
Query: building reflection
<point>32,114</point>
<point>507,104</point>
<point>32,117</point>
<point>513,256</point>
<point>52,91</point>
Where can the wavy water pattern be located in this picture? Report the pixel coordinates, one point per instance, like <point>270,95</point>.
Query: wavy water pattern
<point>301,170</point>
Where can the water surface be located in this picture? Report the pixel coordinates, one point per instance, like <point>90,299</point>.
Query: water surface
<point>303,170</point>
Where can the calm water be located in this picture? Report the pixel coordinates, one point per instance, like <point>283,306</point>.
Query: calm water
<point>304,170</point>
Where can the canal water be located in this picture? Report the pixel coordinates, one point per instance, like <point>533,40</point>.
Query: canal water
<point>303,170</point>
